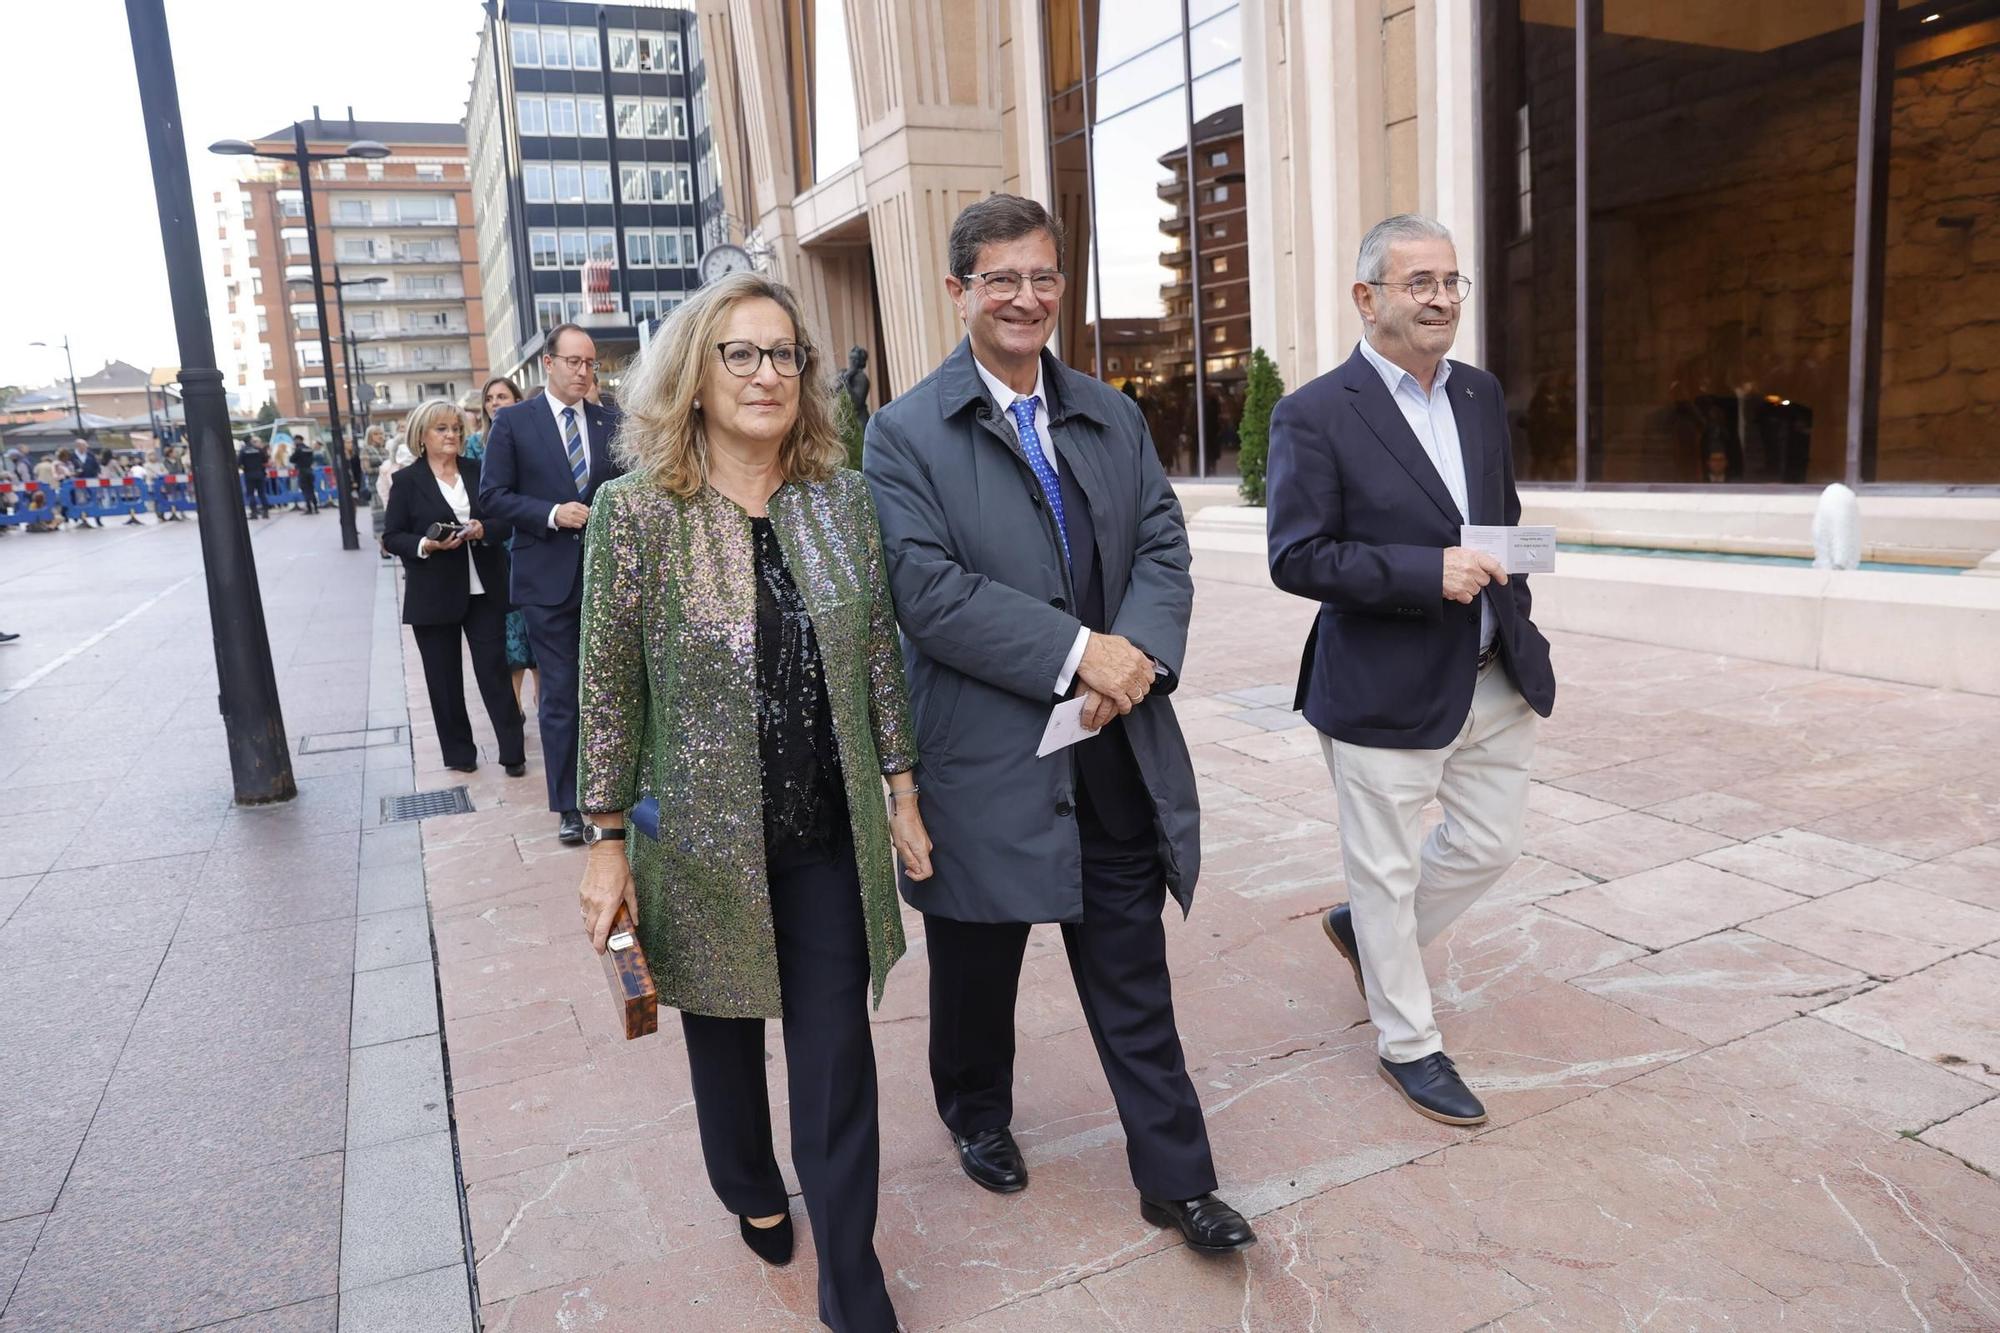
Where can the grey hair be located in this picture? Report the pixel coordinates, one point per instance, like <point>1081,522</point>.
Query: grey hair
<point>1369,266</point>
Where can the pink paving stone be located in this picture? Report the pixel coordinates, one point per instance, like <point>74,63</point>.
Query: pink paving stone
<point>1493,954</point>
<point>559,1223</point>
<point>1948,1014</point>
<point>1722,986</point>
<point>1569,806</point>
<point>1970,876</point>
<point>1884,928</point>
<point>1973,1135</point>
<point>1796,874</point>
<point>1635,785</point>
<point>1719,812</point>
<point>1872,862</point>
<point>1529,880</point>
<point>508,1044</point>
<point>1621,845</point>
<point>718,1288</point>
<point>1670,905</point>
<point>1923,824</point>
<point>560,970</point>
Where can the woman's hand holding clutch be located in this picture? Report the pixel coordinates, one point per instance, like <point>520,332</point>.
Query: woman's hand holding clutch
<point>607,882</point>
<point>906,831</point>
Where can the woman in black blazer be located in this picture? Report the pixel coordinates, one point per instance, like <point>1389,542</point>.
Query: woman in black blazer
<point>454,584</point>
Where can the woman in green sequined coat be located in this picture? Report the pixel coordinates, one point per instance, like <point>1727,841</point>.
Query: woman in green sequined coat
<point>740,667</point>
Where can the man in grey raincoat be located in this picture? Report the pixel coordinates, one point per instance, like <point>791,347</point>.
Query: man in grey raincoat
<point>1037,553</point>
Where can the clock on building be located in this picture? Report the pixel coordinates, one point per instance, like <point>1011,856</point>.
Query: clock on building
<point>722,260</point>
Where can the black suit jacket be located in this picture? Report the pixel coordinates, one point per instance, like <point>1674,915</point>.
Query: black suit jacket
<point>1358,521</point>
<point>526,473</point>
<point>437,590</point>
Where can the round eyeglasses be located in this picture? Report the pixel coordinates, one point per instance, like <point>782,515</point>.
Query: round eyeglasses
<point>1004,284</point>
<point>743,358</point>
<point>1424,289</point>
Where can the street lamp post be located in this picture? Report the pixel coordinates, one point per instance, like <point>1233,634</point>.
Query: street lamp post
<point>350,356</point>
<point>260,760</point>
<point>302,158</point>
<point>75,403</point>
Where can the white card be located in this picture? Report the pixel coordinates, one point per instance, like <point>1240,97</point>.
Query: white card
<point>1524,550</point>
<point>1065,728</point>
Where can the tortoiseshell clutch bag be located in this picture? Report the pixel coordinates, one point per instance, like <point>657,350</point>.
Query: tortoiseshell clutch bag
<point>631,980</point>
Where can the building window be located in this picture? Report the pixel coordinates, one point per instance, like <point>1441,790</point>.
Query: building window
<point>335,171</point>
<point>661,179</point>
<point>542,249</point>
<point>1216,194</point>
<point>562,115</point>
<point>527,45</point>
<point>1219,158</point>
<point>548,312</point>
<point>668,248</point>
<point>596,183</point>
<point>291,204</point>
<point>638,247</point>
<point>590,116</point>
<point>624,52</point>
<point>627,110</point>
<point>685,178</point>
<point>632,184</point>
<point>644,309</point>
<point>575,248</point>
<point>604,245</point>
<point>534,116</point>
<point>555,48</point>
<point>573,308</point>
<point>569,183</point>
<point>673,53</point>
<point>583,47</point>
<point>1219,264</point>
<point>536,183</point>
<point>374,171</point>
<point>430,171</point>
<point>652,52</point>
<point>313,393</point>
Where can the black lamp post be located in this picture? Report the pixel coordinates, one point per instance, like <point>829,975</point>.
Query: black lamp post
<point>350,356</point>
<point>260,759</point>
<point>75,404</point>
<point>302,159</point>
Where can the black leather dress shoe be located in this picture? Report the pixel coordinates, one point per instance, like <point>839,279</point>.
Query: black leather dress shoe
<point>771,1244</point>
<point>1432,1087</point>
<point>993,1160</point>
<point>571,828</point>
<point>1339,927</point>
<point>519,770</point>
<point>1207,1223</point>
<point>463,768</point>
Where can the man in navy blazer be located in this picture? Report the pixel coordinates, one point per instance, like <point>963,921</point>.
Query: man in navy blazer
<point>545,459</point>
<point>1424,674</point>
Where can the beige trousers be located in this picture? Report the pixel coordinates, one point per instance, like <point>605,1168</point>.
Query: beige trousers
<point>1405,888</point>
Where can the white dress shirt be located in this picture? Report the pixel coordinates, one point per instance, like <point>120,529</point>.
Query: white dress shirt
<point>1004,397</point>
<point>460,501</point>
<point>556,406</point>
<point>1436,429</point>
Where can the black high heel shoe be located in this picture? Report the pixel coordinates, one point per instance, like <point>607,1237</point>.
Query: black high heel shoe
<point>771,1244</point>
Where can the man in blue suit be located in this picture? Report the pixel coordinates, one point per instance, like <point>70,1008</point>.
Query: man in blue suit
<point>545,459</point>
<point>1424,674</point>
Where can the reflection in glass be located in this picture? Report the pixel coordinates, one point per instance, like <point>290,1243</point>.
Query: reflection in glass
<point>836,128</point>
<point>1722,149</point>
<point>1938,414</point>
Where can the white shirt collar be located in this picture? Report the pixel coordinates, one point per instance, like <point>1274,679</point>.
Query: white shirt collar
<point>556,405</point>
<point>1005,396</point>
<point>1393,375</point>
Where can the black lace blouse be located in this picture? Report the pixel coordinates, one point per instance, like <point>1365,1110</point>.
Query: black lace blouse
<point>805,805</point>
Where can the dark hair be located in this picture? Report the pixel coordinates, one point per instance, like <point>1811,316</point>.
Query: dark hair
<point>485,417</point>
<point>554,340</point>
<point>994,219</point>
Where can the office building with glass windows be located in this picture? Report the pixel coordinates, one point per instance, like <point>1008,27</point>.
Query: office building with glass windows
<point>1711,246</point>
<point>397,232</point>
<point>595,187</point>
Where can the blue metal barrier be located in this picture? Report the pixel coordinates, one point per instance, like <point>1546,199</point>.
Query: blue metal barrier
<point>25,502</point>
<point>102,497</point>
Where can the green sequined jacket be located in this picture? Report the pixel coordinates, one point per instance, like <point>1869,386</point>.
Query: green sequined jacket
<point>668,708</point>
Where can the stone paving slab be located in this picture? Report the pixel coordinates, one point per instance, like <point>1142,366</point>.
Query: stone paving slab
<point>1709,1011</point>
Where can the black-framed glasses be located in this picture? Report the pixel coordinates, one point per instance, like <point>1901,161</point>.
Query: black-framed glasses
<point>743,358</point>
<point>1004,284</point>
<point>1424,287</point>
<point>575,363</point>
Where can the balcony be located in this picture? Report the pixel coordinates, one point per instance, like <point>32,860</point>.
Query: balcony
<point>1172,190</point>
<point>409,335</point>
<point>1174,258</point>
<point>302,291</point>
<point>354,223</point>
<point>403,257</point>
<point>461,363</point>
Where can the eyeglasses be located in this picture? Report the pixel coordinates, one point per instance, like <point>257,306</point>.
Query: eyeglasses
<point>1423,288</point>
<point>575,363</point>
<point>744,358</point>
<point>1004,284</point>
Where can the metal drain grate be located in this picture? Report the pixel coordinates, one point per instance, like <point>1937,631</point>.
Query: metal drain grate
<point>327,741</point>
<point>426,805</point>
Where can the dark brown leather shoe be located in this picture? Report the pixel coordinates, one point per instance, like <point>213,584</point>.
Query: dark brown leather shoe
<point>993,1160</point>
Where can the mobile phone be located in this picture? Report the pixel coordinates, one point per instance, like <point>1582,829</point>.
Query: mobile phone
<point>444,532</point>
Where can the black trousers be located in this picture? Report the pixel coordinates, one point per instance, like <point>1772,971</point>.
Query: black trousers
<point>255,500</point>
<point>308,490</point>
<point>1118,959</point>
<point>830,1072</point>
<point>485,630</point>
<point>556,635</point>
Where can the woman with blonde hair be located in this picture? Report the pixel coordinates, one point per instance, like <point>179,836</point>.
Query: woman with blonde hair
<point>742,700</point>
<point>455,586</point>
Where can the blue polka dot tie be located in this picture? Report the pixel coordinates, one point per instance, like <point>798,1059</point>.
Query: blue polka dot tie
<point>1031,449</point>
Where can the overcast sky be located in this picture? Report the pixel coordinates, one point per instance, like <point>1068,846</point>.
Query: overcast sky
<point>79,234</point>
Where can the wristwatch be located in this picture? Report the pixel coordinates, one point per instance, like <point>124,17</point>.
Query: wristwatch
<point>596,833</point>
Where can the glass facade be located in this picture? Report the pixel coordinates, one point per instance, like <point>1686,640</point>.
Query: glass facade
<point>1146,156</point>
<point>1725,183</point>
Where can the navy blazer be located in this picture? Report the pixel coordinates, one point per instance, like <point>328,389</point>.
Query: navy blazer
<point>1358,521</point>
<point>524,473</point>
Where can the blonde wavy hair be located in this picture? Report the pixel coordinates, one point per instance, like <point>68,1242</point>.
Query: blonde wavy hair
<point>663,436</point>
<point>423,416</point>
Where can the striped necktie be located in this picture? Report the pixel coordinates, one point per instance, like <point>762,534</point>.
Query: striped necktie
<point>579,462</point>
<point>1038,462</point>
